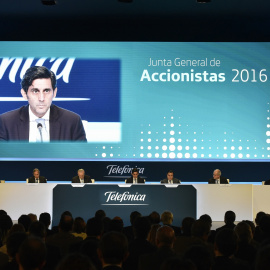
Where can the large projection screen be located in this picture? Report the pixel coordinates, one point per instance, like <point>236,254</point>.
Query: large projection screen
<point>148,101</point>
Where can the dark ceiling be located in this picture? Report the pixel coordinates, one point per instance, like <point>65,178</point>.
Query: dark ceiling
<point>146,20</point>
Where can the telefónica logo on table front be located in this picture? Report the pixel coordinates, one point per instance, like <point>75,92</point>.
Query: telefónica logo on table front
<point>25,63</point>
<point>125,198</point>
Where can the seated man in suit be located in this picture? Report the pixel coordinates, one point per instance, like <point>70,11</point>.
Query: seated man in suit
<point>217,178</point>
<point>36,178</point>
<point>135,179</point>
<point>81,177</point>
<point>40,120</point>
<point>170,179</point>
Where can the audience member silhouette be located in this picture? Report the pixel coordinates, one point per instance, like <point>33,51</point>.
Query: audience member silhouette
<point>164,239</point>
<point>32,254</point>
<point>113,250</point>
<point>76,261</point>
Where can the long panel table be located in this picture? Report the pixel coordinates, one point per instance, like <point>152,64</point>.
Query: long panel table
<point>245,199</point>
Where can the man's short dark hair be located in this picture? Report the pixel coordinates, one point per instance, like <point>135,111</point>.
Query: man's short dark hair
<point>170,171</point>
<point>200,255</point>
<point>262,261</point>
<point>14,242</point>
<point>37,72</point>
<point>94,227</point>
<point>25,221</point>
<point>45,218</point>
<point>226,242</point>
<point>200,228</point>
<point>100,214</point>
<point>135,170</point>
<point>133,216</point>
<point>114,247</point>
<point>142,227</point>
<point>154,217</point>
<point>186,225</point>
<point>37,229</point>
<point>66,223</point>
<point>76,261</point>
<point>32,253</point>
<point>229,217</point>
<point>79,225</point>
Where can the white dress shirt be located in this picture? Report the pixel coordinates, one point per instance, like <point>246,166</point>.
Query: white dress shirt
<point>34,131</point>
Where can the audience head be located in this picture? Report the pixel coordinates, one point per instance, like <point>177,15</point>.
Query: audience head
<point>201,256</point>
<point>2,212</point>
<point>116,224</point>
<point>200,229</point>
<point>100,214</point>
<point>229,217</point>
<point>226,242</point>
<point>165,236</point>
<point>14,241</point>
<point>5,225</point>
<point>32,254</point>
<point>94,227</point>
<point>37,229</point>
<point>33,217</point>
<point>207,219</point>
<point>167,218</point>
<point>175,263</point>
<point>152,234</point>
<point>25,221</point>
<point>16,228</point>
<point>142,227</point>
<point>65,224</point>
<point>252,226</point>
<point>45,218</point>
<point>262,261</point>
<point>133,216</point>
<point>154,217</point>
<point>66,213</point>
<point>79,225</point>
<point>258,217</point>
<point>186,225</point>
<point>265,224</point>
<point>113,248</point>
<point>243,232</point>
<point>75,261</point>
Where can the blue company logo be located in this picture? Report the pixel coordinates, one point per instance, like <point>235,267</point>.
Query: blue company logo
<point>90,88</point>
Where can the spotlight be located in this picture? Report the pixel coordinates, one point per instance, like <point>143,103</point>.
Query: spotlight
<point>48,2</point>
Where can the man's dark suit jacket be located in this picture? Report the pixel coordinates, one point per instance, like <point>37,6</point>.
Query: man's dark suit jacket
<point>267,182</point>
<point>76,179</point>
<point>223,180</point>
<point>139,180</point>
<point>64,125</point>
<point>42,179</point>
<point>175,181</point>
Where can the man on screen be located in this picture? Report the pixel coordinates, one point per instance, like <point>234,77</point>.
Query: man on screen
<point>170,179</point>
<point>81,177</point>
<point>217,178</point>
<point>37,178</point>
<point>135,179</point>
<point>40,120</point>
